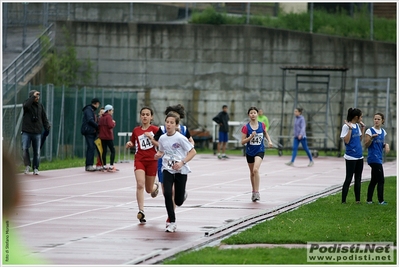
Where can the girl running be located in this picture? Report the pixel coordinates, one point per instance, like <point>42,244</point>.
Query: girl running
<point>352,132</point>
<point>145,166</point>
<point>253,134</point>
<point>374,142</point>
<point>175,151</point>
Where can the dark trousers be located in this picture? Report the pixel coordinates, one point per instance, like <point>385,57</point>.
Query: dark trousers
<point>110,145</point>
<point>34,139</point>
<point>352,167</point>
<point>377,178</point>
<point>179,180</point>
<point>90,148</point>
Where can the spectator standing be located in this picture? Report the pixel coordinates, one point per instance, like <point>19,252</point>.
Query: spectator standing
<point>99,164</point>
<point>223,120</point>
<point>262,118</point>
<point>352,133</point>
<point>90,130</point>
<point>106,126</point>
<point>34,122</point>
<point>374,141</point>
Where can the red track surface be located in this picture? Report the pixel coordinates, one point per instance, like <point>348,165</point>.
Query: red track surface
<point>76,217</point>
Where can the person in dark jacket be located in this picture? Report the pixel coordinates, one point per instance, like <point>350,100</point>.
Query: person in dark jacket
<point>106,134</point>
<point>89,130</point>
<point>223,120</point>
<point>33,123</point>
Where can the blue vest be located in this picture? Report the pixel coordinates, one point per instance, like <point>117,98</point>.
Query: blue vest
<point>354,147</point>
<point>256,144</point>
<point>183,129</point>
<point>374,152</point>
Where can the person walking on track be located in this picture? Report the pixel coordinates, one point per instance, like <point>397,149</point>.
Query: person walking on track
<point>352,133</point>
<point>374,141</point>
<point>176,151</point>
<point>300,137</point>
<point>145,166</point>
<point>253,134</point>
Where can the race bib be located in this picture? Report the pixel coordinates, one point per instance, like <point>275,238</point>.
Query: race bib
<point>257,140</point>
<point>170,160</point>
<point>144,142</point>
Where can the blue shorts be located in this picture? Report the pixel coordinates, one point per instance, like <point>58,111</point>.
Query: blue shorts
<point>223,137</point>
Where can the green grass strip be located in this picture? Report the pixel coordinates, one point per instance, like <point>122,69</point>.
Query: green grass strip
<point>324,220</point>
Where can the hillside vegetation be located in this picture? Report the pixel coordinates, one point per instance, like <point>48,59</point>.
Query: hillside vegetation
<point>339,24</point>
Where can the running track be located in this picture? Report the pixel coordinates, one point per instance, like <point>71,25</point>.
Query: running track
<point>75,217</point>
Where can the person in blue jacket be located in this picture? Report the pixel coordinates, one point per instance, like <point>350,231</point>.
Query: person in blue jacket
<point>374,141</point>
<point>352,133</point>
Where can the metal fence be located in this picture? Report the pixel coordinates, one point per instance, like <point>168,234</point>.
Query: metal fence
<point>23,65</point>
<point>64,110</point>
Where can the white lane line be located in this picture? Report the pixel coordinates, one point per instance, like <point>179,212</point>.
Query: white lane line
<point>85,183</point>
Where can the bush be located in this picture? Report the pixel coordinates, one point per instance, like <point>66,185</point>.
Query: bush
<point>339,24</point>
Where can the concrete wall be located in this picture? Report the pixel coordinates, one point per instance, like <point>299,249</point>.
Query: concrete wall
<point>205,66</point>
<point>294,7</point>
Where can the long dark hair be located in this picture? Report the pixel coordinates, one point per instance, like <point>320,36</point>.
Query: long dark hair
<point>179,109</point>
<point>150,109</point>
<point>353,112</point>
<point>382,117</point>
<point>253,108</point>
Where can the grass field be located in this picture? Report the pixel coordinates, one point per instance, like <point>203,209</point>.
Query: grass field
<point>324,220</point>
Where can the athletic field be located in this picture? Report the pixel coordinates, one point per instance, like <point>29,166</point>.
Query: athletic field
<point>71,216</point>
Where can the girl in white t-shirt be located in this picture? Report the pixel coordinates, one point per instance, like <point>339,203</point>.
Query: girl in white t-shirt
<point>176,151</point>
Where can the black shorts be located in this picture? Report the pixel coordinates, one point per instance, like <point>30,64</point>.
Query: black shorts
<point>251,159</point>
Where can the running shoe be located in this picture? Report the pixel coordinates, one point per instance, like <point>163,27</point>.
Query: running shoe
<point>219,157</point>
<point>290,163</point>
<point>310,164</point>
<point>383,203</point>
<point>155,192</point>
<point>171,227</point>
<point>225,157</point>
<point>27,169</point>
<point>111,169</point>
<point>90,169</point>
<point>35,172</point>
<point>141,216</point>
<point>255,196</point>
<point>369,202</point>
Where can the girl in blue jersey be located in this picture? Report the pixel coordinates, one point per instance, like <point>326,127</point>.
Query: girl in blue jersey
<point>352,132</point>
<point>374,141</point>
<point>253,134</point>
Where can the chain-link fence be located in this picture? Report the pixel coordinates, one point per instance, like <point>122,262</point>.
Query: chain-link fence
<point>64,111</point>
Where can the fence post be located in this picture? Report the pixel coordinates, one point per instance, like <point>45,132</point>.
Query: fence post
<point>75,120</point>
<point>5,24</point>
<point>248,11</point>
<point>371,21</point>
<point>311,18</point>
